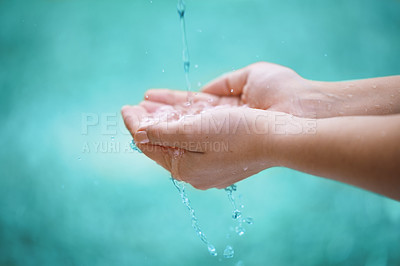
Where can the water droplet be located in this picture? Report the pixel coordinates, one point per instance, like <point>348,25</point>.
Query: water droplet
<point>245,168</point>
<point>177,153</point>
<point>112,138</point>
<point>325,55</point>
<point>212,250</point>
<point>146,97</point>
<point>196,66</point>
<point>181,9</point>
<point>163,70</point>
<point>374,86</point>
<point>79,158</point>
<point>229,252</point>
<point>199,84</point>
<point>202,236</point>
<point>248,220</point>
<point>210,100</point>
<point>236,214</point>
<point>240,230</point>
<point>200,30</point>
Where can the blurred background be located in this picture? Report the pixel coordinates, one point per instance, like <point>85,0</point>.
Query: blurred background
<point>73,193</point>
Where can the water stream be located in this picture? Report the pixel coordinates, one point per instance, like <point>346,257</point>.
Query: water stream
<point>179,185</point>
<point>181,8</point>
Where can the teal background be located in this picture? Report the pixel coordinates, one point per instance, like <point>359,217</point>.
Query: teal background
<point>65,203</point>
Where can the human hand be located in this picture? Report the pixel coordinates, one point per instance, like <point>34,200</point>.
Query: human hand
<point>215,148</point>
<point>273,87</point>
<point>264,86</point>
<point>261,85</point>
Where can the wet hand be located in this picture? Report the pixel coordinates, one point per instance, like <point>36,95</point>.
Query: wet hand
<point>213,149</point>
<point>261,85</point>
<point>264,86</point>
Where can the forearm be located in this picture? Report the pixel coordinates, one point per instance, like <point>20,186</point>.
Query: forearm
<point>362,151</point>
<point>376,96</point>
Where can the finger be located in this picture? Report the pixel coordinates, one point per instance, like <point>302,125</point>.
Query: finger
<point>151,106</point>
<point>132,116</point>
<point>173,97</point>
<point>230,84</point>
<point>176,134</point>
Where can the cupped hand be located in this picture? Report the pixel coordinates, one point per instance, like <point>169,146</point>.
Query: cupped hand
<point>261,85</point>
<point>214,148</point>
<point>205,156</point>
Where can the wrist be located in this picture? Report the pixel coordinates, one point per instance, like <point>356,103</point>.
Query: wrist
<point>286,136</point>
<point>316,100</point>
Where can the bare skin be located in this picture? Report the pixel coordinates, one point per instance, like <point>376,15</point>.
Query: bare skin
<point>356,138</point>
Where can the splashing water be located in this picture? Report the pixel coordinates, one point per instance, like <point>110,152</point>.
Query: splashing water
<point>229,252</point>
<point>229,190</point>
<point>236,213</point>
<point>176,113</point>
<point>168,114</point>
<point>180,186</point>
<point>134,147</point>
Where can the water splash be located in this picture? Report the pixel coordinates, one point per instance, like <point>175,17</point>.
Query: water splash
<point>236,213</point>
<point>229,252</point>
<point>165,115</point>
<point>229,190</point>
<point>180,186</point>
<point>133,146</point>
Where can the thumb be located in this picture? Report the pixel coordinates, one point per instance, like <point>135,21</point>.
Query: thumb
<point>168,134</point>
<point>229,84</point>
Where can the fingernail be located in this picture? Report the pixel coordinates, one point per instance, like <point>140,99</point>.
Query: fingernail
<point>141,137</point>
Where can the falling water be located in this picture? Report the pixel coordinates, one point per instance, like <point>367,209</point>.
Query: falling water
<point>180,186</point>
<point>181,8</point>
